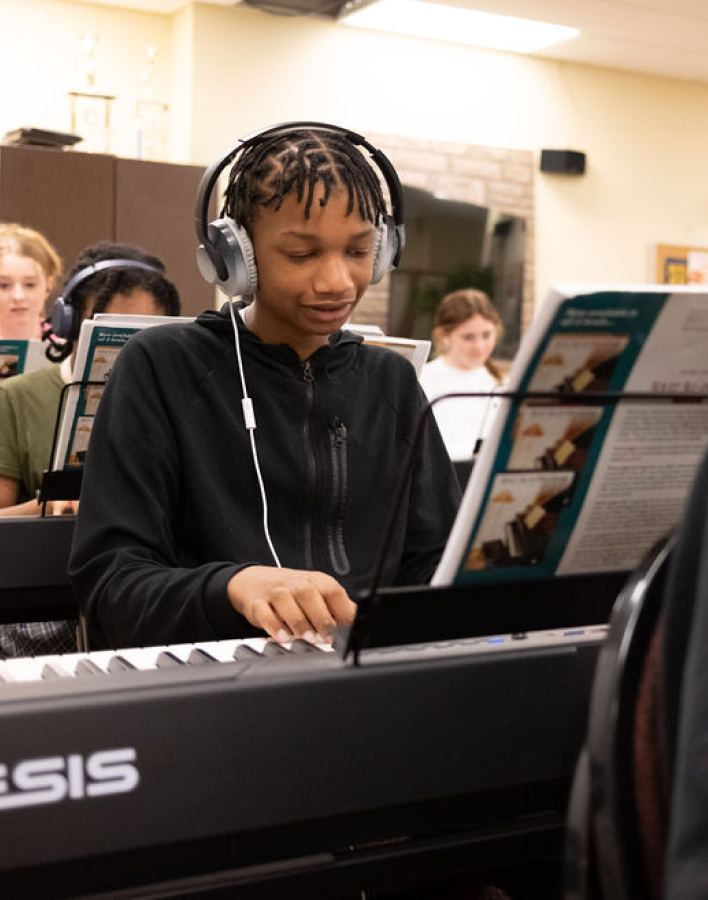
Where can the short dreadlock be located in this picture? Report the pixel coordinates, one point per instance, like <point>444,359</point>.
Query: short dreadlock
<point>265,173</point>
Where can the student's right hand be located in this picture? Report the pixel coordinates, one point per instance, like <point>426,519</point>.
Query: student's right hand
<point>291,603</point>
<point>63,507</point>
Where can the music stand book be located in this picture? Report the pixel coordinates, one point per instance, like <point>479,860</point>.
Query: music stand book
<point>591,453</point>
<point>19,356</point>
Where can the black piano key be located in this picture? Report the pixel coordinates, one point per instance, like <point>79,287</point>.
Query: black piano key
<point>119,663</point>
<point>200,657</point>
<point>87,667</point>
<point>273,648</point>
<point>167,658</point>
<point>300,646</point>
<point>53,670</point>
<point>245,653</point>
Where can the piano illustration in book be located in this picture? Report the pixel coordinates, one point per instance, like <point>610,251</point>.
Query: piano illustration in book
<point>573,363</point>
<point>553,437</point>
<point>520,519</point>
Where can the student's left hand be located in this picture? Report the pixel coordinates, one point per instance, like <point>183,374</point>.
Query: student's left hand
<point>290,603</point>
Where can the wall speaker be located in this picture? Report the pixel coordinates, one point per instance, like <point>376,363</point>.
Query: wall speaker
<point>565,162</point>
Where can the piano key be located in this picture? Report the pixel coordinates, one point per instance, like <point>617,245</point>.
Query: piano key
<point>99,658</point>
<point>143,657</point>
<point>223,651</point>
<point>301,646</point>
<point>273,648</point>
<point>87,666</point>
<point>22,668</point>
<point>119,663</point>
<point>167,658</point>
<point>199,657</point>
<point>54,670</point>
<point>245,653</point>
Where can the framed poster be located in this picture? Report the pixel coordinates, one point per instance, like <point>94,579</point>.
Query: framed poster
<point>681,265</point>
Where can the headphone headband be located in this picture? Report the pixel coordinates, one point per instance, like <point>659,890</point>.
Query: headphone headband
<point>211,175</point>
<point>93,268</point>
<point>61,316</point>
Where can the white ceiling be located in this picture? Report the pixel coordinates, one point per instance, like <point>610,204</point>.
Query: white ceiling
<point>663,37</point>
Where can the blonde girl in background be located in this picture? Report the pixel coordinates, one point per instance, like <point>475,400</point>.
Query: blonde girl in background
<point>467,328</point>
<point>29,269</point>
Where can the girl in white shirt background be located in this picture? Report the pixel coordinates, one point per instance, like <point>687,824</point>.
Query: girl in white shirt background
<point>467,328</point>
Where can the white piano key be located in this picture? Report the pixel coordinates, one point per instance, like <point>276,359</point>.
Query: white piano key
<point>25,668</point>
<point>28,669</point>
<point>142,657</point>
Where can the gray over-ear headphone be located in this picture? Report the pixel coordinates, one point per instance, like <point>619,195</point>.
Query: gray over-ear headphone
<point>62,314</point>
<point>225,255</point>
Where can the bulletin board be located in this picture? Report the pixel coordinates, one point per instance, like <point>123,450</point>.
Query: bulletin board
<point>681,265</point>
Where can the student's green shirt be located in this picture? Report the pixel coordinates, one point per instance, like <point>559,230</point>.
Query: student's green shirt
<point>28,411</point>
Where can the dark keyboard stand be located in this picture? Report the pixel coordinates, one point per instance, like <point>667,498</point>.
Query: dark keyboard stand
<point>34,584</point>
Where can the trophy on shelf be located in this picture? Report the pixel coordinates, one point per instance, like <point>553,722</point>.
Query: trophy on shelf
<point>150,123</point>
<point>91,111</point>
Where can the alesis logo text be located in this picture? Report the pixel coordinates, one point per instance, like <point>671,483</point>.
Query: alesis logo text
<point>50,779</point>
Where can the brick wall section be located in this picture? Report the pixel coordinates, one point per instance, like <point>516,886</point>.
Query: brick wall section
<point>486,176</point>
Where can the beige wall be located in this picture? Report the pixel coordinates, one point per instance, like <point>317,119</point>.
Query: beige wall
<point>41,61</point>
<point>227,71</point>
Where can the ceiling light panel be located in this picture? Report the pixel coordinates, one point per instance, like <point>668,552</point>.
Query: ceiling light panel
<point>454,24</point>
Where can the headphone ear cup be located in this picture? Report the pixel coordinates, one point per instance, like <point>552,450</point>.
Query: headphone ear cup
<point>385,248</point>
<point>61,318</point>
<point>231,247</point>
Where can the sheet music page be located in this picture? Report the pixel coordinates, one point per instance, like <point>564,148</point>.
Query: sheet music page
<point>100,341</point>
<point>567,487</point>
<point>18,356</point>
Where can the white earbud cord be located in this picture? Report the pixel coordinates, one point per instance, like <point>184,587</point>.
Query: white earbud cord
<point>250,422</point>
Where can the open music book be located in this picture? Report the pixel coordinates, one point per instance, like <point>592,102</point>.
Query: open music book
<point>18,356</point>
<point>100,341</point>
<point>575,481</point>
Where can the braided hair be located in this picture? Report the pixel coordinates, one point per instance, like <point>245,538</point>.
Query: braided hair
<point>298,160</point>
<point>101,287</point>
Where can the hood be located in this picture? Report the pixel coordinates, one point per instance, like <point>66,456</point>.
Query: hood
<point>340,352</point>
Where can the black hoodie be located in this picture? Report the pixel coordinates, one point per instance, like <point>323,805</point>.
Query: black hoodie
<point>170,507</point>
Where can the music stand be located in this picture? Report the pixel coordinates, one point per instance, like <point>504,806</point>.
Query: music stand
<point>391,616</point>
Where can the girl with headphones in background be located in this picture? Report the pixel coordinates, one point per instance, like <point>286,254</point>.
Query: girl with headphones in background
<point>29,270</point>
<point>249,459</point>
<point>107,277</point>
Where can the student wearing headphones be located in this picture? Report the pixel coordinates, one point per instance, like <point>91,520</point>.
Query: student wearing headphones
<point>107,277</point>
<point>219,529</point>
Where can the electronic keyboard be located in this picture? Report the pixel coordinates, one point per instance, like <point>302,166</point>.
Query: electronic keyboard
<point>138,771</point>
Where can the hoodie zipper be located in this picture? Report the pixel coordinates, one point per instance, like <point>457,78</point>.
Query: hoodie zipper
<point>338,458</point>
<point>309,379</point>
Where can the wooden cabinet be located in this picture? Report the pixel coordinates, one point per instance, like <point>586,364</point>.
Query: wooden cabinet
<point>76,199</point>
